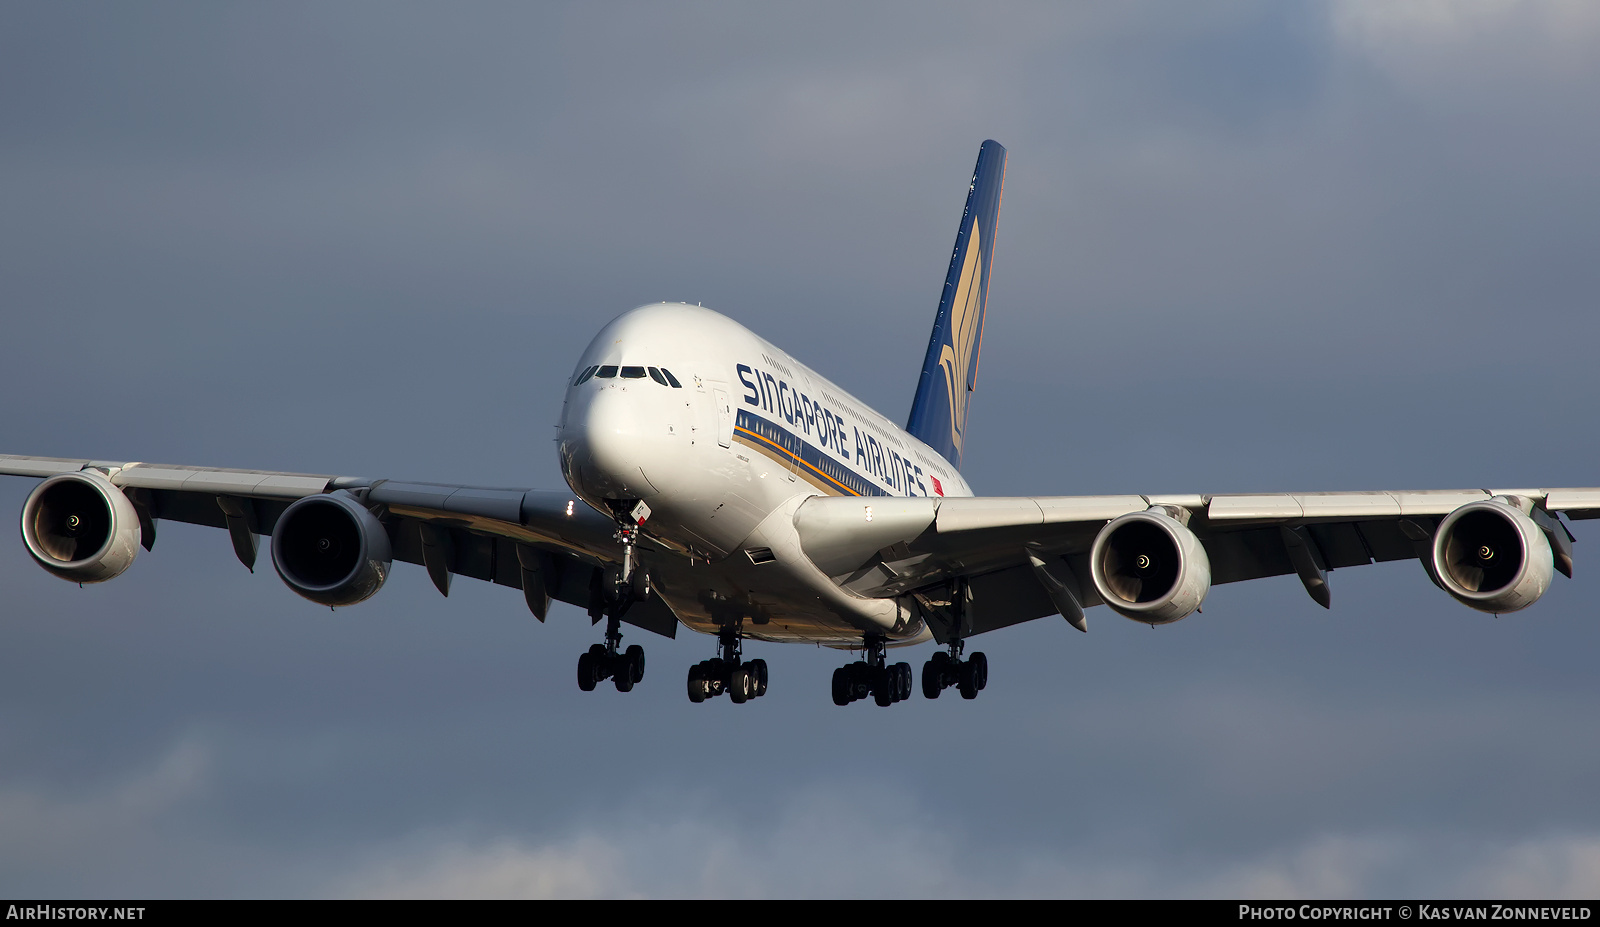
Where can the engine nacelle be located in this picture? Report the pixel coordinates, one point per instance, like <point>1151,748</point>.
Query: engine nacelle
<point>1492,556</point>
<point>1150,567</point>
<point>331,549</point>
<point>80,527</point>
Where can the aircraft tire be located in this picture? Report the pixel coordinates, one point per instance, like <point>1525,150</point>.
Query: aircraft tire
<point>697,684</point>
<point>635,657</point>
<point>759,667</point>
<point>739,685</point>
<point>860,680</point>
<point>842,686</point>
<point>980,670</point>
<point>886,688</point>
<point>586,672</point>
<point>932,679</point>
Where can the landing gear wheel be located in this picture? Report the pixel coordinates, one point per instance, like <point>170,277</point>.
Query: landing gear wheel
<point>843,686</point>
<point>932,678</point>
<point>759,668</point>
<point>587,676</point>
<point>697,683</point>
<point>902,680</point>
<point>634,656</point>
<point>980,670</point>
<point>966,681</point>
<point>860,681</point>
<point>739,685</point>
<point>621,676</point>
<point>885,687</point>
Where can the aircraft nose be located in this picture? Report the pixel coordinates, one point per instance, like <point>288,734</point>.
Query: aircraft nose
<point>607,444</point>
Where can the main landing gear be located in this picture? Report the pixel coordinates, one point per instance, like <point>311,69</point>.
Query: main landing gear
<point>872,676</point>
<point>947,669</point>
<point>613,591</point>
<point>603,661</point>
<point>726,672</point>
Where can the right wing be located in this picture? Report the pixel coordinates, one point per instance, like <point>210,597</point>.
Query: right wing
<point>548,544</point>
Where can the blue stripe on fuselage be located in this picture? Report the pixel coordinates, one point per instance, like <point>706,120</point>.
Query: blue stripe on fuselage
<point>821,465</point>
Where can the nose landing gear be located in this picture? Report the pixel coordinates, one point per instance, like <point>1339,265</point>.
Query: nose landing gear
<point>741,679</point>
<point>872,676</point>
<point>611,593</point>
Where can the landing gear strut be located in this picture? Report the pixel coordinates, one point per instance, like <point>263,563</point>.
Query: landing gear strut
<point>612,592</point>
<point>947,669</point>
<point>872,676</point>
<point>727,672</point>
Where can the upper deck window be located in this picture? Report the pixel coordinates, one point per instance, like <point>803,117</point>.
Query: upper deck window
<point>606,372</point>
<point>633,373</point>
<point>582,377</point>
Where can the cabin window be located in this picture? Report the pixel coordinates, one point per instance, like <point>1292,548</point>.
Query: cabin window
<point>656,376</point>
<point>606,372</point>
<point>633,373</point>
<point>671,379</point>
<point>582,377</point>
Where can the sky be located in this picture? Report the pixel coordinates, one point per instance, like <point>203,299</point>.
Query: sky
<point>1245,247</point>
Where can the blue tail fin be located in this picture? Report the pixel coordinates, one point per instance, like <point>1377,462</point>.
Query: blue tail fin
<point>950,371</point>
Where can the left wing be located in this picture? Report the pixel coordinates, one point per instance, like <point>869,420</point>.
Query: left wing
<point>548,544</point>
<point>977,564</point>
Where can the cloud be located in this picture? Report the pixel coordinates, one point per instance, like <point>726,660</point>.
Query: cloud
<point>51,830</point>
<point>837,842</point>
<point>1563,866</point>
<point>1410,39</point>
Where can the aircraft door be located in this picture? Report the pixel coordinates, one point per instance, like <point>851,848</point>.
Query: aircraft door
<point>724,416</point>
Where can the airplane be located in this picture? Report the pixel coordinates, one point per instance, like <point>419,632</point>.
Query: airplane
<point>719,484</point>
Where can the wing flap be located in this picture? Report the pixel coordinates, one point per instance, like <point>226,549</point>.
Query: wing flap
<point>1574,503</point>
<point>1254,507</point>
<point>253,483</point>
<point>12,465</point>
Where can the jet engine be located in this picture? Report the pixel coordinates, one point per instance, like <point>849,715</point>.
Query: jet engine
<point>1150,567</point>
<point>1492,556</point>
<point>331,549</point>
<point>80,527</point>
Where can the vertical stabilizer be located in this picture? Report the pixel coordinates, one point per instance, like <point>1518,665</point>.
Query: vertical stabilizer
<point>950,370</point>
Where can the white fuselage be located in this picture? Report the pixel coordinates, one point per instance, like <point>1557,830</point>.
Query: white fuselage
<point>725,459</point>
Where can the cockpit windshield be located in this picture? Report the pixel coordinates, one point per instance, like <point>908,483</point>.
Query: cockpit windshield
<point>610,371</point>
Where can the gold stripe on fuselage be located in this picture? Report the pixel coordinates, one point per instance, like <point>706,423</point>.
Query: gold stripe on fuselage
<point>779,454</point>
